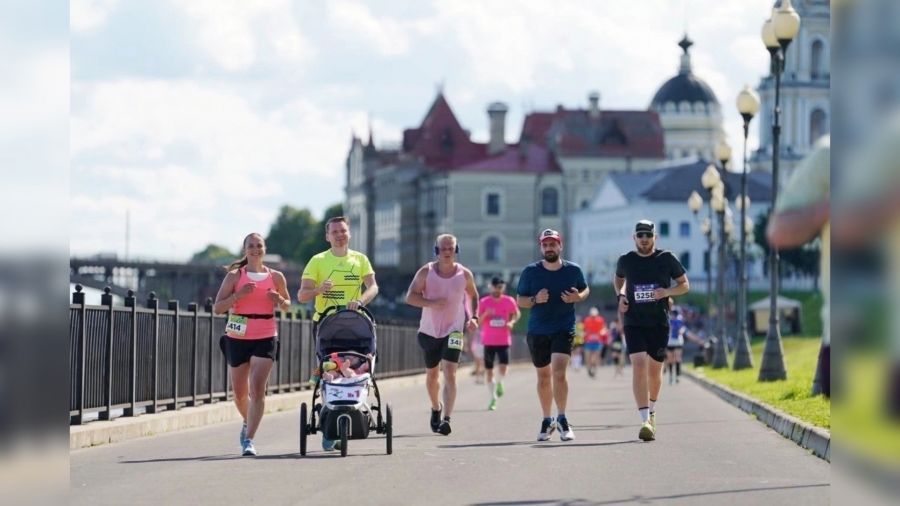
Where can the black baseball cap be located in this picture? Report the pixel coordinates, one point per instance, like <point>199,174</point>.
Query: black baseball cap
<point>496,280</point>
<point>645,226</point>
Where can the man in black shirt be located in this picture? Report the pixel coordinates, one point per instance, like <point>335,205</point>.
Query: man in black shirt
<point>642,283</point>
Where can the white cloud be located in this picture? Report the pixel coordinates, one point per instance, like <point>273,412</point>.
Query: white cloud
<point>87,15</point>
<point>237,163</point>
<point>237,34</point>
<point>354,20</point>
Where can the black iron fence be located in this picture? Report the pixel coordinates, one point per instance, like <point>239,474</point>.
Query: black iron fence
<point>128,358</point>
<point>131,358</point>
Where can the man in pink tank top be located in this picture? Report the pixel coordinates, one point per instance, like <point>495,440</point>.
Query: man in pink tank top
<point>498,313</point>
<point>444,289</point>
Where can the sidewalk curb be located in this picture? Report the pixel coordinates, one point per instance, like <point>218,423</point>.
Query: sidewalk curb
<point>120,429</point>
<point>815,439</point>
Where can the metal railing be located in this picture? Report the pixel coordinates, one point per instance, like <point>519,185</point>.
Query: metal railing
<point>128,358</point>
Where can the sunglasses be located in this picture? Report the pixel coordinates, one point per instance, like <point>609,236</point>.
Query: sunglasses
<point>644,235</point>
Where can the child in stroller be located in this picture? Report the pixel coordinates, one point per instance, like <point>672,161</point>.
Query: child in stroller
<point>345,352</point>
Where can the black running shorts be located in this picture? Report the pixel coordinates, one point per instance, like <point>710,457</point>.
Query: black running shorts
<point>542,346</point>
<point>239,351</point>
<point>652,340</point>
<point>437,350</point>
<point>502,353</point>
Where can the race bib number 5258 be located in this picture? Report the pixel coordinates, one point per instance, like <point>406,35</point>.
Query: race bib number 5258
<point>644,293</point>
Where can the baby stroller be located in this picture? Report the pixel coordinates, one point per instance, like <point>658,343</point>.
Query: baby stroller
<point>345,412</point>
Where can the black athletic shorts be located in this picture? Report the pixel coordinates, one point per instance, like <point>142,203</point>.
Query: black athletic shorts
<point>652,340</point>
<point>239,351</point>
<point>542,346</point>
<point>437,350</point>
<point>673,348</point>
<point>502,353</point>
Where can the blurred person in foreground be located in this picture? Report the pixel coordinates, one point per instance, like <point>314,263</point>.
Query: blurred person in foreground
<point>801,214</point>
<point>869,213</point>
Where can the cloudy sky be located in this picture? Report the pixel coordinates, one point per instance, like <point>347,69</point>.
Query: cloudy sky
<point>199,119</point>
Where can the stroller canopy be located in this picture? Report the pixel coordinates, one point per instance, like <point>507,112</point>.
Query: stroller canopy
<point>345,330</point>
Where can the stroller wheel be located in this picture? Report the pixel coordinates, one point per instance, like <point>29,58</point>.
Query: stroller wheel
<point>389,430</point>
<point>344,430</point>
<point>303,428</point>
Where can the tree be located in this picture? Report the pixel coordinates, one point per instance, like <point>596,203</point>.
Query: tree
<point>213,254</point>
<point>297,236</point>
<point>803,260</point>
<point>290,232</point>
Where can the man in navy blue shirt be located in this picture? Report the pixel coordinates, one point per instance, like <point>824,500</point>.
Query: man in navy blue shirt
<point>550,288</point>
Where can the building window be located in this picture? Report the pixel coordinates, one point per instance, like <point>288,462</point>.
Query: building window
<point>585,204</point>
<point>684,229</point>
<point>686,260</point>
<point>549,202</point>
<point>664,229</point>
<point>492,204</point>
<point>817,126</point>
<point>817,60</point>
<point>492,251</point>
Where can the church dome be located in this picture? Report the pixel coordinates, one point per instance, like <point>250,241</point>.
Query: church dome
<point>684,87</point>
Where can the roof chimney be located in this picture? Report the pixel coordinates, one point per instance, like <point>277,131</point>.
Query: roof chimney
<point>497,118</point>
<point>594,99</point>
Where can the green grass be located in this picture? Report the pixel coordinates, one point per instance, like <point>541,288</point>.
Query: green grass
<point>792,395</point>
<point>863,427</point>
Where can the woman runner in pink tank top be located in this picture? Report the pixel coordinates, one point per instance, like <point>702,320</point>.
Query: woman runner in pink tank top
<point>252,292</point>
<point>444,290</point>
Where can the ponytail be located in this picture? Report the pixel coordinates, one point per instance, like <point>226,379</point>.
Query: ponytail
<point>237,264</point>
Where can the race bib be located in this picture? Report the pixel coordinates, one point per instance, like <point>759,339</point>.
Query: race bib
<point>644,293</point>
<point>455,341</point>
<point>236,325</point>
<point>497,322</point>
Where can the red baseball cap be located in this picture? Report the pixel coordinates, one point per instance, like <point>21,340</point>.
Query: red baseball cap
<point>550,234</point>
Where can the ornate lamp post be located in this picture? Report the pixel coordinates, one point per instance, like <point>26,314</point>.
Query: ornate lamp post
<point>748,106</point>
<point>777,34</point>
<point>718,204</point>
<point>709,179</point>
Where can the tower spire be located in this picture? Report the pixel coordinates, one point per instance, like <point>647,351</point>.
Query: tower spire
<point>685,44</point>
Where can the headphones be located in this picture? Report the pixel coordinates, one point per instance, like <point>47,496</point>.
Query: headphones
<point>437,249</point>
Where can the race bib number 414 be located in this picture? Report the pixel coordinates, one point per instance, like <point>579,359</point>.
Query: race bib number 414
<point>644,293</point>
<point>236,325</point>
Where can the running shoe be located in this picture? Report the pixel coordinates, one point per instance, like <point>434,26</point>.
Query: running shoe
<point>248,449</point>
<point>647,433</point>
<point>493,405</point>
<point>436,419</point>
<point>444,428</point>
<point>243,434</point>
<point>653,421</point>
<point>329,444</point>
<point>547,428</point>
<point>499,389</point>
<point>565,430</point>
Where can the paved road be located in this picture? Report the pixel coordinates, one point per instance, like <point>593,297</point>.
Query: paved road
<point>707,452</point>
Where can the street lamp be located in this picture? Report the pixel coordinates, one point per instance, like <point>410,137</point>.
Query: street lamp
<point>777,34</point>
<point>709,179</point>
<point>748,106</point>
<point>719,204</point>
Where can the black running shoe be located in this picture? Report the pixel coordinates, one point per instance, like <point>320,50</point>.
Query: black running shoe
<point>444,427</point>
<point>435,419</point>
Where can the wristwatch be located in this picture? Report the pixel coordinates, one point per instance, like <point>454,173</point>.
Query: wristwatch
<point>533,300</point>
<point>622,295</point>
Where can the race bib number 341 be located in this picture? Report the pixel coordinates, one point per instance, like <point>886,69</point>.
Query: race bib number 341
<point>455,340</point>
<point>644,293</point>
<point>236,325</point>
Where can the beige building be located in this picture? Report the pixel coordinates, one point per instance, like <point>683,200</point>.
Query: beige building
<point>805,92</point>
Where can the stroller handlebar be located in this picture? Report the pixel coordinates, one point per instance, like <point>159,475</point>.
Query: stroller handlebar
<point>338,308</point>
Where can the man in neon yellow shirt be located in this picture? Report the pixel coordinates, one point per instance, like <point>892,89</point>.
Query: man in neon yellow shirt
<point>334,277</point>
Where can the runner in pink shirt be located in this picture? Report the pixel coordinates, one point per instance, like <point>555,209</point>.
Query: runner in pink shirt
<point>498,313</point>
